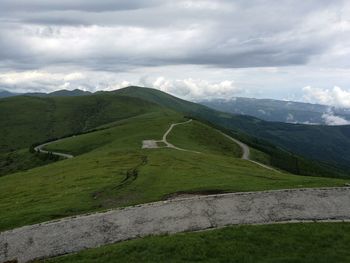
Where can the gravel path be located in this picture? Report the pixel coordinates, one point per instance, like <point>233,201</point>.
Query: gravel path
<point>190,214</point>
<point>39,148</point>
<point>152,144</point>
<point>246,153</point>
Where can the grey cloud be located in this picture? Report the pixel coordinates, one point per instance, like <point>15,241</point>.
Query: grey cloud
<point>224,34</point>
<point>82,5</point>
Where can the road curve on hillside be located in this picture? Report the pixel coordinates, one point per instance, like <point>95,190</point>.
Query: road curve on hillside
<point>168,144</point>
<point>169,130</point>
<point>40,147</point>
<point>153,144</point>
<point>74,234</point>
<point>246,152</point>
<point>244,147</point>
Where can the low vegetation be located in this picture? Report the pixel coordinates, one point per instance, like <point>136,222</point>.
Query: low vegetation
<point>312,242</point>
<point>22,160</point>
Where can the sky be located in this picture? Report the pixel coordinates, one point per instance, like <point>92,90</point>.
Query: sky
<point>286,49</point>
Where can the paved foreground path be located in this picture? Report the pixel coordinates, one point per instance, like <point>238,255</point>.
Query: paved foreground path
<point>88,231</point>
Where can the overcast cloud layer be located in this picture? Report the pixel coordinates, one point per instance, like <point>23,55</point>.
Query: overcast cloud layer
<point>286,49</point>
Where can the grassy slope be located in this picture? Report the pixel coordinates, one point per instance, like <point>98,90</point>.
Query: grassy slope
<point>95,180</point>
<point>329,144</point>
<point>199,137</point>
<point>49,118</point>
<point>21,160</point>
<point>317,242</point>
<point>27,120</point>
<point>325,143</point>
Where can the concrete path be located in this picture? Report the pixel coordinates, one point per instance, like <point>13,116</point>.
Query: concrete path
<point>39,148</point>
<point>190,214</point>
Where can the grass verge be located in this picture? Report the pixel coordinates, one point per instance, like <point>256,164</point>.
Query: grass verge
<point>309,242</point>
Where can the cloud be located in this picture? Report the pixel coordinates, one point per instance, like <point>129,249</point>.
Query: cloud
<point>258,44</point>
<point>193,89</point>
<point>41,81</point>
<point>82,5</point>
<point>116,35</point>
<point>290,118</point>
<point>119,85</point>
<point>335,97</point>
<point>331,119</point>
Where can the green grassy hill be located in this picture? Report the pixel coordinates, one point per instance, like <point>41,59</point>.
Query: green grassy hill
<point>111,170</point>
<point>327,144</point>
<point>28,120</point>
<point>25,120</point>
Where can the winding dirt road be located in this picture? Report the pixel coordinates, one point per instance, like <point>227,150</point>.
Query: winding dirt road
<point>152,144</point>
<point>40,147</point>
<point>244,147</point>
<point>246,152</point>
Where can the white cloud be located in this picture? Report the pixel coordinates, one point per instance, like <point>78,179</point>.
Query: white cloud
<point>206,5</point>
<point>335,97</point>
<point>262,111</point>
<point>39,81</point>
<point>46,81</point>
<point>290,118</point>
<point>193,89</point>
<point>118,85</point>
<point>31,76</point>
<point>114,41</point>
<point>331,119</point>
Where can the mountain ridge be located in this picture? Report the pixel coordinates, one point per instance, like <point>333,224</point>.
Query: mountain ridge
<point>281,111</point>
<point>300,149</point>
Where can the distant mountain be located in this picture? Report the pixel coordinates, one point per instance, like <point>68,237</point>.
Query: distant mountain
<point>6,94</point>
<point>61,93</point>
<point>69,93</point>
<point>282,111</point>
<point>58,93</point>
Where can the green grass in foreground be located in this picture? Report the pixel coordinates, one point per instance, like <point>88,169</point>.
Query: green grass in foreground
<point>311,242</point>
<point>95,179</point>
